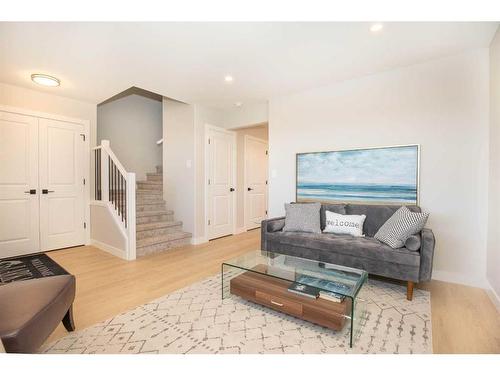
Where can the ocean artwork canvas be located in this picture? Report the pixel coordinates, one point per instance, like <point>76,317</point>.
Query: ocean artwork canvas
<point>386,175</point>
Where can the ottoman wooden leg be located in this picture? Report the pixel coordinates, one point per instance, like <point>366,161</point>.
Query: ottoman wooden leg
<point>67,321</point>
<point>409,291</point>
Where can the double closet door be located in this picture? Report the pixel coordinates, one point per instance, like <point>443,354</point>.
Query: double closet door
<point>41,184</point>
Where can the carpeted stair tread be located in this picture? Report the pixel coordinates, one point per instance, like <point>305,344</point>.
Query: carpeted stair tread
<point>157,225</point>
<point>164,238</point>
<point>153,213</point>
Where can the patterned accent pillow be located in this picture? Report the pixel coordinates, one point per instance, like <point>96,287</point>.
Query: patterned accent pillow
<point>401,225</point>
<point>302,217</point>
<point>344,224</point>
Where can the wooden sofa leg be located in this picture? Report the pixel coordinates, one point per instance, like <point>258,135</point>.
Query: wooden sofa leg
<point>67,321</point>
<point>409,290</point>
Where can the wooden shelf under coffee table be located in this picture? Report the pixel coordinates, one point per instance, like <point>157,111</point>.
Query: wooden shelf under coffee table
<point>264,278</point>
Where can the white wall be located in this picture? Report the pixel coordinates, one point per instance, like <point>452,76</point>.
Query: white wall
<point>442,105</point>
<point>255,131</point>
<point>133,125</point>
<point>178,161</point>
<point>21,97</point>
<point>493,256</point>
<point>246,115</point>
<point>105,232</point>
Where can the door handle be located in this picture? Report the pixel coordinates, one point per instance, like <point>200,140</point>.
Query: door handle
<point>45,191</point>
<point>31,191</point>
<point>231,189</point>
<point>249,189</point>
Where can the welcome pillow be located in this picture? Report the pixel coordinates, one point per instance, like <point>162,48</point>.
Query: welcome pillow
<point>401,225</point>
<point>344,224</point>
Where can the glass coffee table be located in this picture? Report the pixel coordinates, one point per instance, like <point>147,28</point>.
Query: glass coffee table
<point>299,287</point>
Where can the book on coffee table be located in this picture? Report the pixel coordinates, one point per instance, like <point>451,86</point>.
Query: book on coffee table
<point>331,296</point>
<point>304,290</point>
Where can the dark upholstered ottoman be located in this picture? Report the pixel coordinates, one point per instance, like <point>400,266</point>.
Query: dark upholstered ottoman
<point>30,310</point>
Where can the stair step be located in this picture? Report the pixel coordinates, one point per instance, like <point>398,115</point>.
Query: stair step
<point>148,200</point>
<point>159,225</point>
<point>154,213</point>
<point>154,177</point>
<point>150,185</point>
<point>143,217</point>
<point>161,239</point>
<point>182,240</point>
<point>157,229</point>
<point>155,205</point>
<point>148,192</point>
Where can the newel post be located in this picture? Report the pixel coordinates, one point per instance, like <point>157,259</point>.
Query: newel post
<point>104,171</point>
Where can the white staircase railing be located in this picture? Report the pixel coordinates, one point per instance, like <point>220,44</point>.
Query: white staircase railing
<point>114,188</point>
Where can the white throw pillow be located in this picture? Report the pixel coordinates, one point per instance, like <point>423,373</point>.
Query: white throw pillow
<point>344,224</point>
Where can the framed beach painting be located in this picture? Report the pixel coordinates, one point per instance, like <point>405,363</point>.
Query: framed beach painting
<point>382,175</point>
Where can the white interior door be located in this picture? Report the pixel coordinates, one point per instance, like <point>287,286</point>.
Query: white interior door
<point>255,181</point>
<point>19,209</point>
<point>62,214</point>
<point>221,182</point>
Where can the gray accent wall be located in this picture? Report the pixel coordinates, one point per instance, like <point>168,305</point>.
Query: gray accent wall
<point>133,125</point>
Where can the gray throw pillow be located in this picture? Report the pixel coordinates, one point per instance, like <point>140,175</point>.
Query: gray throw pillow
<point>401,225</point>
<point>302,217</point>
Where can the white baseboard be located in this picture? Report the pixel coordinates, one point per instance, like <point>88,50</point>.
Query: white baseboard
<point>494,297</point>
<point>240,230</point>
<point>198,240</point>
<point>109,249</point>
<point>456,278</point>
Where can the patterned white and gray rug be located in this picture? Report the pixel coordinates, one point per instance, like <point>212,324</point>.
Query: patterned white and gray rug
<point>196,320</point>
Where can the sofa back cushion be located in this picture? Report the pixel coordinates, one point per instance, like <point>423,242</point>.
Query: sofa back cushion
<point>376,215</point>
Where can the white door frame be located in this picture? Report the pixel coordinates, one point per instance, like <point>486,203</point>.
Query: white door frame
<point>245,192</point>
<point>86,163</point>
<point>208,128</point>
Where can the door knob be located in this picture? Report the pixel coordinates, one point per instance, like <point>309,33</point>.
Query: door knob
<point>45,191</point>
<point>31,191</point>
<point>249,189</point>
<point>231,189</point>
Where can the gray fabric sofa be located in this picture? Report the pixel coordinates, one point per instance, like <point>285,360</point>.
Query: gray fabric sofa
<point>365,253</point>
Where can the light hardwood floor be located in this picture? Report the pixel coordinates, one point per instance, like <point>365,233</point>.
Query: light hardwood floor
<point>464,320</point>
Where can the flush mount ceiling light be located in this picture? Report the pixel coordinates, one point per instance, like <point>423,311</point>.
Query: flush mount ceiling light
<point>376,27</point>
<point>45,80</point>
<point>228,79</point>
<point>238,104</point>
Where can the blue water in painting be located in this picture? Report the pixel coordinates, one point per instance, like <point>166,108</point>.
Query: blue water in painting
<point>357,192</point>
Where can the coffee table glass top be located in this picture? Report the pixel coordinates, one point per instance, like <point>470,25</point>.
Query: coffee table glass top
<point>302,270</point>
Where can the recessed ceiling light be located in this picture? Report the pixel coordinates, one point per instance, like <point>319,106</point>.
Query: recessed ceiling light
<point>45,80</point>
<point>376,27</point>
<point>228,79</point>
<point>238,104</point>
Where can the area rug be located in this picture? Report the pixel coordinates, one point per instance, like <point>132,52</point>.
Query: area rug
<point>29,267</point>
<point>196,320</point>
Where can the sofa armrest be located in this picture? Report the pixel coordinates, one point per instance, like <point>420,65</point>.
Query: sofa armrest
<point>269,226</point>
<point>426,254</point>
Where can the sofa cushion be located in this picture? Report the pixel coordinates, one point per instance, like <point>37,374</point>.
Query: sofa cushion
<point>337,208</point>
<point>364,247</point>
<point>376,215</point>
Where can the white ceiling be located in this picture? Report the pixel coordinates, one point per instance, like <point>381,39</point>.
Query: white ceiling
<point>188,61</point>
